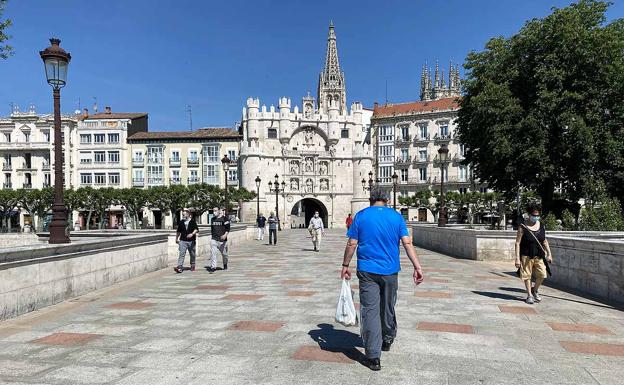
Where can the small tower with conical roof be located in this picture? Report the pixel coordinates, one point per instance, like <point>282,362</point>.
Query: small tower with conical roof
<point>331,86</point>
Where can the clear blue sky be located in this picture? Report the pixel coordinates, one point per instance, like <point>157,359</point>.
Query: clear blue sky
<point>139,57</point>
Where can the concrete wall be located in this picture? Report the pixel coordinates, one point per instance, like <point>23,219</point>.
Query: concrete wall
<point>592,266</point>
<point>32,277</point>
<point>18,239</point>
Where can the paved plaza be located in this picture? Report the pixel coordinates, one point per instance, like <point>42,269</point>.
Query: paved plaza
<point>269,320</point>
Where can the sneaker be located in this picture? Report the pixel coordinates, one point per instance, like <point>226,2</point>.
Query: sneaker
<point>192,267</point>
<point>211,270</point>
<point>530,300</point>
<point>178,269</point>
<point>374,364</point>
<point>385,346</point>
<point>225,266</point>
<point>536,296</point>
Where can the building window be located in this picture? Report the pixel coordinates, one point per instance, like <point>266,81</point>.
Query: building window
<point>27,137</point>
<point>405,133</point>
<point>113,179</point>
<point>86,179</point>
<point>424,134</point>
<point>155,155</point>
<point>211,154</point>
<point>232,175</point>
<point>272,133</point>
<point>462,173</point>
<point>113,157</point>
<point>85,157</point>
<point>385,174</point>
<point>46,136</point>
<point>47,180</point>
<point>137,176</point>
<point>444,131</point>
<point>404,175</point>
<point>99,157</point>
<point>483,190</point>
<point>7,138</point>
<point>100,179</point>
<point>99,138</point>
<point>463,190</point>
<point>422,155</point>
<point>404,154</point>
<point>462,149</point>
<point>193,176</point>
<point>137,156</point>
<point>211,174</point>
<point>175,156</point>
<point>85,138</point>
<point>386,133</point>
<point>385,153</point>
<point>113,138</point>
<point>344,133</point>
<point>175,176</point>
<point>232,155</point>
<point>155,175</point>
<point>422,174</point>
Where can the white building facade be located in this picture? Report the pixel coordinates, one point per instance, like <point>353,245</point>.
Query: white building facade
<point>320,152</point>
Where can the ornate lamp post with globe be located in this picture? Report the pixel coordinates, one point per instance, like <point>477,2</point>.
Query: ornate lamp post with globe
<point>277,190</point>
<point>56,62</point>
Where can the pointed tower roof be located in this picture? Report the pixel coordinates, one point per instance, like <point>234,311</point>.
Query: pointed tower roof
<point>331,85</point>
<point>332,65</point>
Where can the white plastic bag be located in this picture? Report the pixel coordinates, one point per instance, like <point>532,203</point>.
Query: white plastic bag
<point>345,311</point>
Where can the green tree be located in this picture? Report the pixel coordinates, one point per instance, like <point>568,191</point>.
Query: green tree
<point>543,107</point>
<point>133,199</point>
<point>37,203</point>
<point>101,200</point>
<point>5,49</point>
<point>603,216</point>
<point>8,201</point>
<point>203,197</point>
<point>240,195</point>
<point>73,200</point>
<point>169,198</point>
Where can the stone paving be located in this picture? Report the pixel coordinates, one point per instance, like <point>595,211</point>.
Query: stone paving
<point>269,320</point>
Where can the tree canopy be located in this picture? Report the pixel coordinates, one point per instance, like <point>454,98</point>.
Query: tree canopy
<point>5,49</point>
<point>544,107</point>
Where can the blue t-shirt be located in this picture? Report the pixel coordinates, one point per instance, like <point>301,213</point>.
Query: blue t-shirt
<point>378,230</point>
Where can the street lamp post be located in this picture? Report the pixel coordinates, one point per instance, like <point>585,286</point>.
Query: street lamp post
<point>277,190</point>
<point>258,180</point>
<point>226,167</point>
<point>443,153</point>
<point>56,61</point>
<point>395,181</point>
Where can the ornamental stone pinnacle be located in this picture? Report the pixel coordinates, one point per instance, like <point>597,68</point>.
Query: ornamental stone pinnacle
<point>331,85</point>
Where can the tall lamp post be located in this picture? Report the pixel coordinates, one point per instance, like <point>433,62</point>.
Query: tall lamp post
<point>395,181</point>
<point>56,61</point>
<point>258,180</point>
<point>226,167</point>
<point>277,190</point>
<point>443,153</point>
<point>370,183</point>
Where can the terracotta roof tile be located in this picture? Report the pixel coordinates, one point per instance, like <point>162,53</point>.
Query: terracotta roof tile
<point>419,107</point>
<point>202,133</point>
<point>114,115</point>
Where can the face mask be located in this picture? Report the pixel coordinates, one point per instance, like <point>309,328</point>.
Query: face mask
<point>315,215</point>
<point>535,218</point>
<point>215,213</point>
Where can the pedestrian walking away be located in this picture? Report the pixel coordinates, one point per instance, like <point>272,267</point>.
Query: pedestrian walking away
<point>349,221</point>
<point>261,222</point>
<point>272,229</point>
<point>376,232</point>
<point>186,236</point>
<point>219,229</point>
<point>316,230</point>
<point>532,253</point>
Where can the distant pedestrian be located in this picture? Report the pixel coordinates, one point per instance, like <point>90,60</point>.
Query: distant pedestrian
<point>219,229</point>
<point>272,229</point>
<point>261,222</point>
<point>376,232</point>
<point>186,236</point>
<point>532,253</point>
<point>317,230</point>
<point>349,221</point>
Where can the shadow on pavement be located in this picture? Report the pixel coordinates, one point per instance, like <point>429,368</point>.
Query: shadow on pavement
<point>498,295</point>
<point>339,341</point>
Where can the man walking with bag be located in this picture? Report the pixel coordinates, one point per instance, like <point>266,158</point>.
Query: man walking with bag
<point>185,238</point>
<point>376,232</point>
<point>219,228</point>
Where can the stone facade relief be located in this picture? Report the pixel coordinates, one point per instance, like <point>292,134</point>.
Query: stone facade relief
<point>309,164</point>
<point>309,186</point>
<point>324,185</point>
<point>294,184</point>
<point>294,167</point>
<point>323,168</point>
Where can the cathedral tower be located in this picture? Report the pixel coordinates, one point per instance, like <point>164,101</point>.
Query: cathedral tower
<point>331,85</point>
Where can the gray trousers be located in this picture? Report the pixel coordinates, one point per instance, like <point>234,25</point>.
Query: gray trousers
<point>378,295</point>
<point>216,247</point>
<point>182,247</point>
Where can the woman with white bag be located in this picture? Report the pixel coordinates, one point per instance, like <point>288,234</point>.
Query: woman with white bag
<point>376,232</point>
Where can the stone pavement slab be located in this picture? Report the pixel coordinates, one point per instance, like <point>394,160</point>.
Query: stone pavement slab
<point>268,319</point>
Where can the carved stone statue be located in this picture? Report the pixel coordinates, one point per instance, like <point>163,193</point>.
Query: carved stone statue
<point>309,164</point>
<point>309,136</point>
<point>308,111</point>
<point>323,168</point>
<point>294,184</point>
<point>308,187</point>
<point>294,167</point>
<point>332,151</point>
<point>324,185</point>
<point>284,149</point>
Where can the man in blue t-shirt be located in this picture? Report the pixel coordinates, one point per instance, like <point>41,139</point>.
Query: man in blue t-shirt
<point>376,232</point>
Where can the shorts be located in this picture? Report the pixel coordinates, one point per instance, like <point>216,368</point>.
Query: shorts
<point>532,266</point>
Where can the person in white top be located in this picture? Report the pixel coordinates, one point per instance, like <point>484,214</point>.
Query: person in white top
<point>317,230</point>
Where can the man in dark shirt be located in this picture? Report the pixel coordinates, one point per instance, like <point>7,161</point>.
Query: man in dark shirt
<point>185,238</point>
<point>261,221</point>
<point>219,228</point>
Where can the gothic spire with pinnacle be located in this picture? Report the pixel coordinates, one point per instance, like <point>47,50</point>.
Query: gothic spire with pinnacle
<point>331,85</point>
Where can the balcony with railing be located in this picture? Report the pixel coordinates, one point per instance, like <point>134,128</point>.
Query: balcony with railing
<point>138,182</point>
<point>175,162</point>
<point>403,161</point>
<point>193,180</point>
<point>46,184</point>
<point>155,160</point>
<point>45,167</point>
<point>192,162</point>
<point>6,167</point>
<point>24,145</point>
<point>27,185</point>
<point>155,181</point>
<point>422,160</point>
<point>7,185</point>
<point>404,141</point>
<point>415,181</point>
<point>175,180</point>
<point>442,138</point>
<point>386,159</point>
<point>422,139</point>
<point>386,138</point>
<point>138,161</point>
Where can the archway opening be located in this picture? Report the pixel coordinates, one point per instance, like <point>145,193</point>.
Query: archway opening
<point>303,211</point>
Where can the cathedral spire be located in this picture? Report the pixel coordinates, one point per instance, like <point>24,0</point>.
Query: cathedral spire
<point>331,85</point>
